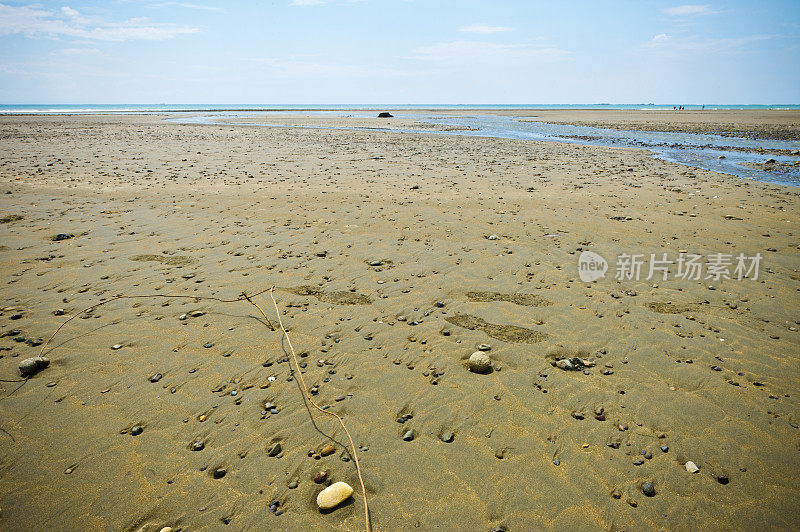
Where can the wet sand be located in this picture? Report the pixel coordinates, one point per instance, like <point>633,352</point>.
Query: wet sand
<point>395,257</point>
<point>757,124</point>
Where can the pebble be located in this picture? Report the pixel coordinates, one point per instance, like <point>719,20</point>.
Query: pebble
<point>156,377</point>
<point>135,431</point>
<point>166,529</point>
<point>334,495</point>
<point>31,366</point>
<point>484,347</point>
<point>320,477</point>
<point>116,346</point>
<point>648,489</point>
<point>691,467</point>
<point>409,435</point>
<point>327,450</point>
<point>479,362</point>
<point>275,450</point>
<point>292,485</point>
<point>219,472</point>
<point>448,437</point>
<point>722,478</point>
<point>198,445</point>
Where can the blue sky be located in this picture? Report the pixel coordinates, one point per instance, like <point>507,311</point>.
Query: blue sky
<point>399,51</point>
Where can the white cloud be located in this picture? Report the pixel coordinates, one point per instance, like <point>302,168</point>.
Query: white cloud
<point>486,52</point>
<point>697,45</point>
<point>316,2</point>
<point>82,51</point>
<point>33,21</point>
<point>660,38</point>
<point>199,7</point>
<point>689,10</point>
<point>484,28</point>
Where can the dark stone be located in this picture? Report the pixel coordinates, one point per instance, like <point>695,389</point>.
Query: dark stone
<point>63,236</point>
<point>648,489</point>
<point>385,115</point>
<point>156,377</point>
<point>135,431</point>
<point>219,472</point>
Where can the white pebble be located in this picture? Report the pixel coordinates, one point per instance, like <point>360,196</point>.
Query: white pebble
<point>334,495</point>
<point>691,467</point>
<point>479,362</point>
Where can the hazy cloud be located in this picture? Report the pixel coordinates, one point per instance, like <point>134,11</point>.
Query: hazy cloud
<point>484,28</point>
<point>34,21</point>
<point>689,10</point>
<point>199,7</point>
<point>486,52</point>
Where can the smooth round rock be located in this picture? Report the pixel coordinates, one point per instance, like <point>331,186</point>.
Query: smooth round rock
<point>448,437</point>
<point>334,495</point>
<point>135,431</point>
<point>198,445</point>
<point>479,362</point>
<point>409,435</point>
<point>648,489</point>
<point>327,450</point>
<point>31,366</point>
<point>219,473</point>
<point>691,467</point>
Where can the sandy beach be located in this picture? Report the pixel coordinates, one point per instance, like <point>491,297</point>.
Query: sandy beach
<point>395,256</point>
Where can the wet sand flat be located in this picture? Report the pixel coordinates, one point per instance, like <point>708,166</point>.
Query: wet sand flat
<point>394,256</point>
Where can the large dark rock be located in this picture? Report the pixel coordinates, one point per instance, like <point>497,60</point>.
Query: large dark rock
<point>385,115</point>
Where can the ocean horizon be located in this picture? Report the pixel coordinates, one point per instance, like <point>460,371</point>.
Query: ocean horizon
<point>190,107</point>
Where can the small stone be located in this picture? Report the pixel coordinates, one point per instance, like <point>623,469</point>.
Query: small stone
<point>198,445</point>
<point>292,485</point>
<point>31,366</point>
<point>409,435</point>
<point>135,431</point>
<point>334,495</point>
<point>479,362</point>
<point>166,529</point>
<point>219,473</point>
<point>665,448</point>
<point>484,347</point>
<point>722,478</point>
<point>155,378</point>
<point>448,437</point>
<point>116,346</point>
<point>275,450</point>
<point>63,236</point>
<point>648,489</point>
<point>320,476</point>
<point>691,467</point>
<point>327,450</point>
